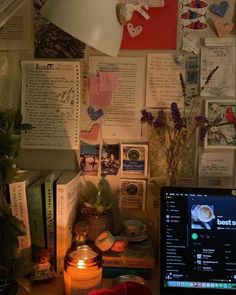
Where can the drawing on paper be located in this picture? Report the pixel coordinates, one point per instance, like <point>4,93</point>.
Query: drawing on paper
<point>222,118</point>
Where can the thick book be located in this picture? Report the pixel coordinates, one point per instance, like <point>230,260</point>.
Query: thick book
<point>35,202</point>
<point>50,211</point>
<point>113,272</point>
<point>137,255</point>
<point>67,195</point>
<point>19,206</point>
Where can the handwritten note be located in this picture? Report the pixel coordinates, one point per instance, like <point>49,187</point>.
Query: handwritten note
<point>223,81</point>
<point>50,102</point>
<point>163,84</point>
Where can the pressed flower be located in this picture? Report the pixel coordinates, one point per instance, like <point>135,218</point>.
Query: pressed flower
<point>175,113</point>
<point>160,120</point>
<point>147,117</point>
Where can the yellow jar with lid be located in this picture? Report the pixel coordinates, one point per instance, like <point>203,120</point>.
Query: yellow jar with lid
<point>83,270</point>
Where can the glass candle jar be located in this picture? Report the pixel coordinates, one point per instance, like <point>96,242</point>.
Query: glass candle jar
<point>82,271</point>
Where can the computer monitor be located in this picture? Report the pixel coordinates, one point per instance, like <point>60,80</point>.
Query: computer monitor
<point>198,241</point>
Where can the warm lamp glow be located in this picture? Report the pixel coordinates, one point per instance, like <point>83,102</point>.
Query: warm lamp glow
<point>93,22</point>
<point>81,264</point>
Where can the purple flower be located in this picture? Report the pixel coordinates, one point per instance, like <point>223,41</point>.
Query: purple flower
<point>202,132</point>
<point>160,120</point>
<point>147,117</point>
<point>201,120</point>
<point>175,113</point>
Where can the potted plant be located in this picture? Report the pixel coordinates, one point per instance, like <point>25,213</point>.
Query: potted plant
<point>97,201</point>
<point>13,265</point>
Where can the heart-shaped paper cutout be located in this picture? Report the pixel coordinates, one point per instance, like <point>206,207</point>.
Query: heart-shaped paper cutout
<point>219,9</point>
<point>223,29</point>
<point>134,31</point>
<point>94,114</point>
<point>92,134</point>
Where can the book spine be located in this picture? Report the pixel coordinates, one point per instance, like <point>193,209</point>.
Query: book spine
<point>127,262</point>
<point>60,228</point>
<point>19,209</point>
<point>36,216</point>
<point>50,219</point>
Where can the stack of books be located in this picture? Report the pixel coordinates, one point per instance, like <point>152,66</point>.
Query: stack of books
<point>48,208</point>
<point>138,259</point>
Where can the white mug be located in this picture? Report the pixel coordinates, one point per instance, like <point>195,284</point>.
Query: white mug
<point>134,227</point>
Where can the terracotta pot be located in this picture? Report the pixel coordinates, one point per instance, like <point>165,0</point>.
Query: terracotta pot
<point>98,224</point>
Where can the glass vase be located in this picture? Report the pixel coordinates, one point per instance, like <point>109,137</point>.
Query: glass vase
<point>172,173</point>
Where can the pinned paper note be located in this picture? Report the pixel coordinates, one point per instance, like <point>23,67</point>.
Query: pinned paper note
<point>191,43</point>
<point>158,32</point>
<point>92,134</point>
<point>96,97</point>
<point>108,81</point>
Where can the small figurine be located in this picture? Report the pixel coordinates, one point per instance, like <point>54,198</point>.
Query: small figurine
<point>42,269</point>
<point>80,232</point>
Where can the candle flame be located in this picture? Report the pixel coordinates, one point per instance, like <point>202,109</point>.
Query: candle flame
<point>81,264</point>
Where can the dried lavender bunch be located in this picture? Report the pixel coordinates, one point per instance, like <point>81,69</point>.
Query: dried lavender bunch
<point>175,133</point>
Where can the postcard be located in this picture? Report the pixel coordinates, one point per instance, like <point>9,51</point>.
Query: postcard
<point>132,194</point>
<point>222,118</point>
<point>110,160</point>
<point>89,159</point>
<point>134,159</point>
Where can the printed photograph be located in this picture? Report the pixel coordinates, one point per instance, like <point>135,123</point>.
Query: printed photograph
<point>110,161</point>
<point>222,119</point>
<point>202,216</point>
<point>89,159</point>
<point>52,42</point>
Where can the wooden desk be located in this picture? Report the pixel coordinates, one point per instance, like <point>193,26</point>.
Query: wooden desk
<point>57,285</point>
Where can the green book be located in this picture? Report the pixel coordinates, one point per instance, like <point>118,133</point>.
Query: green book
<point>35,201</point>
<point>50,209</point>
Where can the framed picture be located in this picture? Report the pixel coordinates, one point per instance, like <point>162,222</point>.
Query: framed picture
<point>222,118</point>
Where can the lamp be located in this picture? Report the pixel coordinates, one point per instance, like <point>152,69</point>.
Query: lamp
<point>93,22</point>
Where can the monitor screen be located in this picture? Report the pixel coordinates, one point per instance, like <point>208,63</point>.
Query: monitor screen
<point>198,240</point>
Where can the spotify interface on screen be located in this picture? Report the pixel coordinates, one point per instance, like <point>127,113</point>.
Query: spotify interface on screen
<point>199,241</point>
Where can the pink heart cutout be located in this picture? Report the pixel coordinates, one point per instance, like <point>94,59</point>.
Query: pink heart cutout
<point>92,134</point>
<point>134,31</point>
<point>223,29</point>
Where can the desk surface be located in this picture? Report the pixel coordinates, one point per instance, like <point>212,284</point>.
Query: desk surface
<point>56,286</point>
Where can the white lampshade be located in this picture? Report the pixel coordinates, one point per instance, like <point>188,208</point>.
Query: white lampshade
<point>93,22</point>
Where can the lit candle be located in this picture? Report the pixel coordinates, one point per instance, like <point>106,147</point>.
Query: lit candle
<point>83,271</point>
